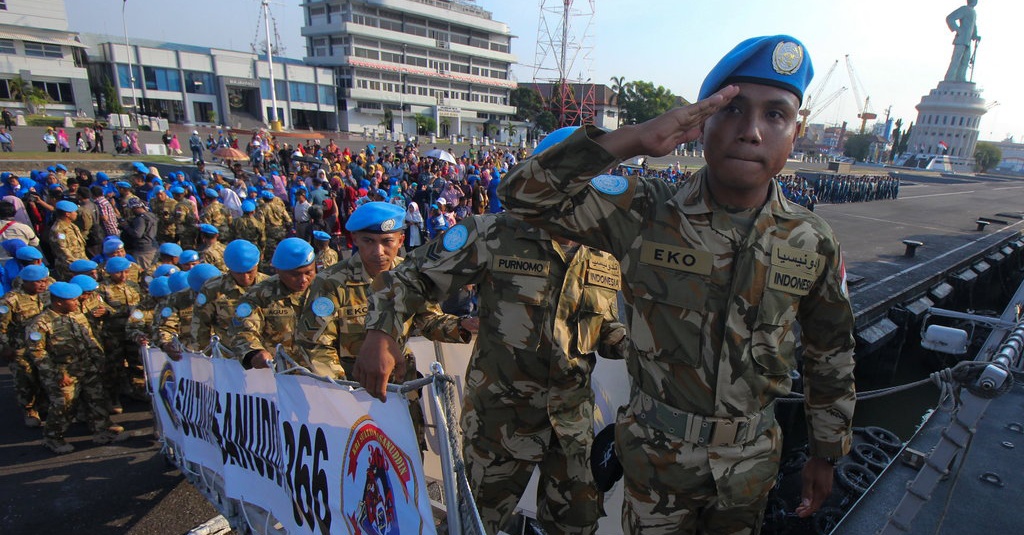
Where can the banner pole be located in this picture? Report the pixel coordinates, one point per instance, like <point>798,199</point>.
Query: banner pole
<point>445,453</point>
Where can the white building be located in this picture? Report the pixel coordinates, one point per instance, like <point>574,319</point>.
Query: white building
<point>438,58</point>
<point>36,46</point>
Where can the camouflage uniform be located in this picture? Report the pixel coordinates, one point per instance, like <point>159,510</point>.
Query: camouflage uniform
<point>712,308</point>
<point>120,298</point>
<point>90,302</point>
<point>165,214</point>
<point>17,309</point>
<point>62,344</point>
<point>544,311</point>
<point>141,326</point>
<point>214,310</point>
<point>175,319</point>
<point>250,228</point>
<point>67,245</point>
<point>325,258</point>
<point>265,317</point>
<point>214,254</point>
<point>185,225</point>
<point>217,215</point>
<point>277,221</point>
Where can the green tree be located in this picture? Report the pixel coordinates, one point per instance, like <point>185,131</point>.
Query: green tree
<point>388,122</point>
<point>546,121</point>
<point>858,145</point>
<point>641,101</point>
<point>528,103</point>
<point>986,156</point>
<point>425,124</point>
<point>896,134</point>
<point>905,140</point>
<point>113,101</point>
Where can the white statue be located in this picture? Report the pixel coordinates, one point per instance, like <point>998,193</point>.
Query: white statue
<point>963,21</point>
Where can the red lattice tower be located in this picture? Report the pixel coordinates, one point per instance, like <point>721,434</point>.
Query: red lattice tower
<point>563,60</point>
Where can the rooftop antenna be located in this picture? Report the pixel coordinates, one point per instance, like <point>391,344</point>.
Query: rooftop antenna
<point>563,49</point>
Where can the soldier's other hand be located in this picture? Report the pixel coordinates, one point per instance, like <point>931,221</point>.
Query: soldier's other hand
<point>471,324</point>
<point>378,358</point>
<point>262,360</point>
<point>662,134</point>
<point>817,485</point>
<point>99,312</point>
<point>66,380</point>
<point>172,352</point>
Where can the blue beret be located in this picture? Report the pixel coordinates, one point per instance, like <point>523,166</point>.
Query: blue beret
<point>776,60</point>
<point>364,183</point>
<point>65,290</point>
<point>211,192</point>
<point>33,273</point>
<point>177,190</point>
<point>178,281</point>
<point>188,256</point>
<point>85,282</point>
<point>292,253</point>
<point>123,184</point>
<point>241,256</point>
<point>267,194</point>
<point>170,249</point>
<point>248,206</point>
<point>140,167</point>
<point>159,287</point>
<point>379,217</point>
<point>117,264</point>
<point>28,252</point>
<point>251,189</point>
<point>158,189</point>
<point>12,245</point>
<point>198,275</point>
<point>81,266</point>
<point>67,206</point>
<point>164,270</point>
<point>54,186</point>
<point>554,138</point>
<point>207,228</point>
<point>321,235</point>
<point>51,169</point>
<point>157,181</point>
<point>61,167</point>
<point>102,176</point>
<point>110,246</point>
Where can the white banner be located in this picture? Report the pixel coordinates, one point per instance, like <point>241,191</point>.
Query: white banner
<point>321,458</point>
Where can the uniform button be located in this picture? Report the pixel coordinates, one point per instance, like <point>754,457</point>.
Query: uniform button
<point>703,424</point>
<point>671,429</point>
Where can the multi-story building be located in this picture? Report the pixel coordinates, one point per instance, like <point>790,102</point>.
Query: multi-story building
<point>37,50</point>
<point>395,59</point>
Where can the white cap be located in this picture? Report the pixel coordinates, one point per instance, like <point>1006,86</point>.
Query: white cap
<point>196,132</point>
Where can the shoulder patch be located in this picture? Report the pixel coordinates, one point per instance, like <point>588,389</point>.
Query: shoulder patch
<point>610,184</point>
<point>455,238</point>
<point>243,310</point>
<point>166,312</point>
<point>4,309</point>
<point>322,307</point>
<point>35,336</point>
<point>61,236</point>
<point>201,299</point>
<point>138,315</point>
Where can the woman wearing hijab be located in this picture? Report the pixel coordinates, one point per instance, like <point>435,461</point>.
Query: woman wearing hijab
<point>414,223</point>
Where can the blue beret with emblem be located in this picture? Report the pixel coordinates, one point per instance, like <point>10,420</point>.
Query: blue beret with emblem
<point>112,245</point>
<point>248,206</point>
<point>28,252</point>
<point>207,228</point>
<point>65,290</point>
<point>377,217</point>
<point>164,270</point>
<point>67,206</point>
<point>159,287</point>
<point>321,235</point>
<point>188,256</point>
<point>82,266</point>
<point>85,282</point>
<point>267,195</point>
<point>776,60</point>
<point>178,281</point>
<point>117,264</point>
<point>292,253</point>
<point>554,138</point>
<point>241,256</point>
<point>122,184</point>
<point>198,275</point>
<point>34,273</point>
<point>170,249</point>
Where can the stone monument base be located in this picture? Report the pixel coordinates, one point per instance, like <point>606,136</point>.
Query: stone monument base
<point>947,124</point>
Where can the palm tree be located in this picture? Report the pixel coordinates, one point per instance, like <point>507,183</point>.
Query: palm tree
<point>34,98</point>
<point>619,84</point>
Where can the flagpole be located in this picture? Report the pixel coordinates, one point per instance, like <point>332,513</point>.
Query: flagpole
<point>275,124</point>
<point>131,65</point>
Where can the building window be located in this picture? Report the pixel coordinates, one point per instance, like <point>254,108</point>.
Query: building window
<point>42,50</point>
<point>328,95</point>
<point>302,92</point>
<point>199,83</point>
<point>124,79</point>
<point>58,91</point>
<point>158,79</point>
<point>5,90</point>
<point>3,5</point>
<point>7,46</point>
<point>280,88</point>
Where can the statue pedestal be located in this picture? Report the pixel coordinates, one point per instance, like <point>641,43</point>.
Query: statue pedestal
<point>950,114</point>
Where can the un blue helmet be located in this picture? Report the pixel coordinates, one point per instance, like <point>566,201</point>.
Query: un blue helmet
<point>65,290</point>
<point>164,270</point>
<point>198,276</point>
<point>34,273</point>
<point>554,138</point>
<point>117,264</point>
<point>292,253</point>
<point>159,287</point>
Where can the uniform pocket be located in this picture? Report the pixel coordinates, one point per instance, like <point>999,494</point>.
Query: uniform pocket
<point>674,311</point>
<point>594,307</point>
<point>522,310</point>
<point>773,343</point>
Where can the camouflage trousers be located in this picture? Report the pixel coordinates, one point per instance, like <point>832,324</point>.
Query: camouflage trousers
<point>28,391</point>
<point>86,389</point>
<point>677,487</point>
<point>567,498</point>
<point>113,368</point>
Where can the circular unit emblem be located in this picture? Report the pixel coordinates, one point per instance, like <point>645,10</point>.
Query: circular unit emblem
<point>35,336</point>
<point>166,312</point>
<point>387,225</point>
<point>787,57</point>
<point>455,238</point>
<point>322,307</point>
<point>201,299</point>
<point>243,310</point>
<point>610,184</point>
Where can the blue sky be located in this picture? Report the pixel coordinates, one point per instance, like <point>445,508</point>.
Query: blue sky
<point>899,48</point>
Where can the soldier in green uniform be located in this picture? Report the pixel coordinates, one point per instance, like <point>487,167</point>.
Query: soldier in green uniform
<point>141,328</point>
<point>184,218</point>
<point>717,272</point>
<point>211,250</point>
<point>249,227</point>
<point>92,305</point>
<point>546,306</point>
<point>121,295</point>
<point>268,311</point>
<point>176,317</point>
<point>215,213</point>
<point>189,259</point>
<point>17,309</point>
<point>162,207</point>
<point>276,219</point>
<point>63,348</point>
<point>167,255</point>
<point>326,256</point>
<point>218,298</point>
<point>113,247</point>
<point>84,267</point>
<point>66,241</point>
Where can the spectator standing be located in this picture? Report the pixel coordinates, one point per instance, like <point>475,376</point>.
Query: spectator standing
<point>6,140</point>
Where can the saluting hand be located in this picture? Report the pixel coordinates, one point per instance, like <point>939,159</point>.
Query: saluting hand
<point>378,359</point>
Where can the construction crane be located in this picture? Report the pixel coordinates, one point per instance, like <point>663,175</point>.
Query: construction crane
<point>858,89</point>
<point>811,100</point>
<point>822,104</point>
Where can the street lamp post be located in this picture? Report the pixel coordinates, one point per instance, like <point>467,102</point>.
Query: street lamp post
<point>401,96</point>
<point>275,124</point>
<point>131,65</point>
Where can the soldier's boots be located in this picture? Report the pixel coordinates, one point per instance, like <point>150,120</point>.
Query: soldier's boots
<point>32,418</point>
<point>114,433</point>
<point>58,446</point>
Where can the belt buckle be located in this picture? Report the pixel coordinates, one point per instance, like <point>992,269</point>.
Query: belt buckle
<point>724,432</point>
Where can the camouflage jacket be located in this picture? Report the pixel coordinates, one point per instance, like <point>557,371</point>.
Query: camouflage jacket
<point>120,298</point>
<point>61,342</point>
<point>66,243</point>
<point>542,317</point>
<point>249,228</point>
<point>164,212</point>
<point>214,254</point>
<point>217,215</point>
<point>712,313</point>
<point>175,319</point>
<point>18,309</point>
<point>141,323</point>
<point>332,326</point>
<point>276,216</point>
<point>184,217</point>
<point>265,317</point>
<point>90,302</point>
<point>326,258</point>
<point>215,309</point>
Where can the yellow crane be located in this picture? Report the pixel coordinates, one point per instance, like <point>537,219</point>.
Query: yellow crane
<point>865,109</point>
<point>813,104</point>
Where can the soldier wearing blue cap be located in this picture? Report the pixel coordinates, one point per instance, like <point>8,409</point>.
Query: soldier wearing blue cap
<point>189,258</point>
<point>121,293</point>
<point>249,227</point>
<point>162,207</point>
<point>326,256</point>
<point>66,241</point>
<point>185,216</point>
<point>211,249</point>
<point>267,314</point>
<point>276,220</point>
<point>17,308</point>
<point>113,247</point>
<point>84,267</point>
<point>175,318</point>
<point>219,297</point>
<point>215,213</point>
<point>717,269</point>
<point>63,348</point>
<point>92,305</point>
